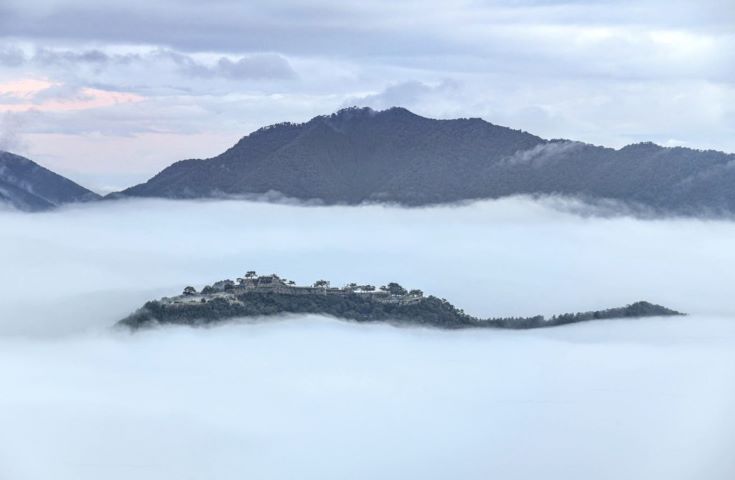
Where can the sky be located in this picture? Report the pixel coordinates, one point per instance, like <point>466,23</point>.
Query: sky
<point>317,398</point>
<point>109,93</point>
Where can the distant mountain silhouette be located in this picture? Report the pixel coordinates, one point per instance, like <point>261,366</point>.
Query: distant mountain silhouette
<point>25,185</point>
<point>359,155</point>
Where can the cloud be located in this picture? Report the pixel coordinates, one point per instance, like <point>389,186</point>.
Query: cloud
<point>255,66</point>
<point>261,66</point>
<point>341,400</point>
<point>566,39</point>
<point>49,57</point>
<point>10,133</point>
<point>11,56</point>
<point>31,95</point>
<point>544,153</point>
<point>408,94</point>
<point>25,88</point>
<point>609,400</point>
<point>322,27</point>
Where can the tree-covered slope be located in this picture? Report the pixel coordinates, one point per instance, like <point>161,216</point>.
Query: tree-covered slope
<point>360,155</point>
<point>26,185</point>
<point>430,311</point>
<point>352,156</point>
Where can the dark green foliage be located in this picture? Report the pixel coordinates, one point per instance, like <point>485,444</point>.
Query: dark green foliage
<point>395,289</point>
<point>429,311</point>
<point>638,309</point>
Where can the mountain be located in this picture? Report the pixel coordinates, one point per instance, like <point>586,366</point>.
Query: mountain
<point>360,155</point>
<point>25,185</point>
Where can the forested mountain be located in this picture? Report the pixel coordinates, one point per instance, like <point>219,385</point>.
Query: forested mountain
<point>25,185</point>
<point>360,155</point>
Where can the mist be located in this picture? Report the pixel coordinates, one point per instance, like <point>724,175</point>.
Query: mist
<point>96,263</point>
<point>315,397</point>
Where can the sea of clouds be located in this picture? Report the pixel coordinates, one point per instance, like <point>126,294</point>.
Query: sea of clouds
<point>313,397</point>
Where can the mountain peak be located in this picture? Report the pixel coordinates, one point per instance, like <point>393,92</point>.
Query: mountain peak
<point>27,185</point>
<point>361,113</point>
<point>352,112</point>
<point>642,147</point>
<point>359,154</point>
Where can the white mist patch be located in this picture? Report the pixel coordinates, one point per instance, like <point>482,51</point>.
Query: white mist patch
<point>88,266</point>
<point>319,399</point>
<point>316,398</point>
<point>544,153</point>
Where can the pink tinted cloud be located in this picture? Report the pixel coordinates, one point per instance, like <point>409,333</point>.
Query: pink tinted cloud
<point>20,96</point>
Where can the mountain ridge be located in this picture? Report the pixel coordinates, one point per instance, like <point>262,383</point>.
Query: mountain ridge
<point>362,156</point>
<point>359,155</point>
<point>27,186</point>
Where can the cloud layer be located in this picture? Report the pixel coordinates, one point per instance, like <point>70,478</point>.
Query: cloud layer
<point>314,398</point>
<point>514,256</point>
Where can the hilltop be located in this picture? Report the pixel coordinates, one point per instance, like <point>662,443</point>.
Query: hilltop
<point>270,295</point>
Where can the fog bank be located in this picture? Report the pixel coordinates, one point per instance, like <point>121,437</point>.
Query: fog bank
<point>319,399</point>
<point>316,398</point>
<point>85,267</point>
